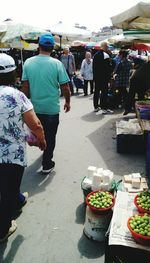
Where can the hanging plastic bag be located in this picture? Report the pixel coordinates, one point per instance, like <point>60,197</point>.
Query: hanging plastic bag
<point>30,137</point>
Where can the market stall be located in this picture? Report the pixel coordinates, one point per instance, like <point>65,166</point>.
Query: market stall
<point>136,17</point>
<point>115,213</point>
<point>135,23</point>
<point>124,245</point>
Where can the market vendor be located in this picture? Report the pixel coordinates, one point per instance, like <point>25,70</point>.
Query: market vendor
<point>139,84</point>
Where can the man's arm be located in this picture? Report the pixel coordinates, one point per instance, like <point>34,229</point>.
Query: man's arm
<point>66,93</point>
<point>36,127</point>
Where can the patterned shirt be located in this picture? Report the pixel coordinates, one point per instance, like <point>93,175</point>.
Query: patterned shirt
<point>13,104</point>
<point>123,73</point>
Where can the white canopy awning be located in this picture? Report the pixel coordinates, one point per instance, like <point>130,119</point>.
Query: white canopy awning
<point>70,32</point>
<point>137,17</point>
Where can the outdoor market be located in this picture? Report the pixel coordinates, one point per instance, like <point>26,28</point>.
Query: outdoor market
<point>92,204</point>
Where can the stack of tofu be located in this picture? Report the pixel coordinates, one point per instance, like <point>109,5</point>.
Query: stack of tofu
<point>134,182</point>
<point>98,179</point>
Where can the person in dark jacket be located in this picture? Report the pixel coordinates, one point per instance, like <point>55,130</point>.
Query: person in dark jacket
<point>139,84</point>
<point>101,74</point>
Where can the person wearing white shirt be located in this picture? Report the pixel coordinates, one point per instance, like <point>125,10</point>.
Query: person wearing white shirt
<point>87,73</point>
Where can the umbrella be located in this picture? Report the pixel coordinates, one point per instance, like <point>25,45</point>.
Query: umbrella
<point>16,35</point>
<point>16,31</point>
<point>141,46</point>
<point>119,39</point>
<point>78,43</point>
<point>136,17</point>
<point>69,32</point>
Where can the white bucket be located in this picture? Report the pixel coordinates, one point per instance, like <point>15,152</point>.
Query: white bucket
<point>96,225</point>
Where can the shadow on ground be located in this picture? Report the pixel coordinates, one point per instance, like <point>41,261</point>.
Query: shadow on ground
<point>33,180</point>
<point>91,249</point>
<point>80,213</point>
<point>10,255</point>
<point>104,140</point>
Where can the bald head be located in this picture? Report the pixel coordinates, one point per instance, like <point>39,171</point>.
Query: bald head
<point>104,46</point>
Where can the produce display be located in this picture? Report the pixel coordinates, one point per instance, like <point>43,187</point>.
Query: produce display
<point>142,201</point>
<point>139,226</point>
<point>100,200</point>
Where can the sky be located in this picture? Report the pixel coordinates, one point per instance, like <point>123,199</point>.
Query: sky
<point>91,14</point>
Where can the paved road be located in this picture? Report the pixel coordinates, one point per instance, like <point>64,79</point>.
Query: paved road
<point>50,229</point>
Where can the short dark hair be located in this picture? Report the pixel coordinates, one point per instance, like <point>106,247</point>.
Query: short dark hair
<point>8,78</point>
<point>46,49</point>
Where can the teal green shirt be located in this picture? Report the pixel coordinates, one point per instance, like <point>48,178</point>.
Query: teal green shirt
<point>45,75</point>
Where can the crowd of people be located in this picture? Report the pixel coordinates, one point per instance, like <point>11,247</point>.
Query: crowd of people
<point>35,102</point>
<point>123,76</point>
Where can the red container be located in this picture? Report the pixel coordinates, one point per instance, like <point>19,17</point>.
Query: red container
<point>99,210</point>
<point>140,209</point>
<point>141,239</point>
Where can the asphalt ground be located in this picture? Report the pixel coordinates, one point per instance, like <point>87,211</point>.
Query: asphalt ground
<point>50,228</point>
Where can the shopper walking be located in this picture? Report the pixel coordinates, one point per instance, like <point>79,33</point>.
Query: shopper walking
<point>15,109</point>
<point>43,76</point>
<point>87,73</point>
<point>68,60</point>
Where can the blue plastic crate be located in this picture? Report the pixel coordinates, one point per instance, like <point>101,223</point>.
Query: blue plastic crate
<point>144,114</point>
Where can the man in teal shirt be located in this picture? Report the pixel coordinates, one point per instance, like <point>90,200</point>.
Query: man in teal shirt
<point>43,77</point>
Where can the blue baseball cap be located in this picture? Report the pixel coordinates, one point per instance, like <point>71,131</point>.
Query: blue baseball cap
<point>47,40</point>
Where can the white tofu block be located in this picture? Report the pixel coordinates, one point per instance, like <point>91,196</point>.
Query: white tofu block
<point>91,171</point>
<point>136,183</point>
<point>128,179</point>
<point>106,179</point>
<point>106,176</point>
<point>100,170</point>
<point>136,175</point>
<point>96,179</point>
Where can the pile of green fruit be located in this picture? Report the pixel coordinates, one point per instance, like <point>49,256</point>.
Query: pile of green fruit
<point>143,200</point>
<point>100,200</point>
<point>140,224</point>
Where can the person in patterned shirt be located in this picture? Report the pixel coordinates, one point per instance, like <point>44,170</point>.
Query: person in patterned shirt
<point>122,75</point>
<point>15,110</point>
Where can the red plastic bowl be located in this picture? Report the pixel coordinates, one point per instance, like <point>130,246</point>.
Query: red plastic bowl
<point>99,210</point>
<point>140,209</point>
<point>143,240</point>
